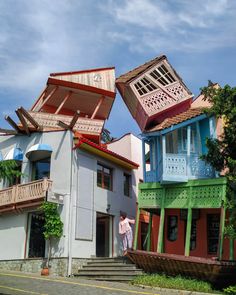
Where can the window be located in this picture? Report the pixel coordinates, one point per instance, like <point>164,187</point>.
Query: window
<point>41,169</point>
<point>144,86</point>
<point>193,138</point>
<point>213,224</point>
<point>127,185</point>
<point>144,235</point>
<point>172,228</point>
<point>104,177</point>
<point>162,75</point>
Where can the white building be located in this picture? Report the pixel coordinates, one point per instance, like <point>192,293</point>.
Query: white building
<point>92,183</point>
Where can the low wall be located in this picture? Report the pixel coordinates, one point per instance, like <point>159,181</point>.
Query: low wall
<point>58,266</point>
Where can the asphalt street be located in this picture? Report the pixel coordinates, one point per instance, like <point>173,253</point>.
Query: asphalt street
<point>12,283</point>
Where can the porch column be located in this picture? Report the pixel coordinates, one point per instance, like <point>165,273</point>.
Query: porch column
<point>144,160</point>
<point>163,154</point>
<point>188,149</point>
<point>160,245</point>
<point>136,229</point>
<point>188,233</point>
<point>221,234</point>
<point>231,244</point>
<point>149,232</point>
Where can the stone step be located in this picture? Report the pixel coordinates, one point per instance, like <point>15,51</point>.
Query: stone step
<point>107,273</point>
<point>109,260</point>
<point>111,279</point>
<point>100,264</point>
<point>110,267</point>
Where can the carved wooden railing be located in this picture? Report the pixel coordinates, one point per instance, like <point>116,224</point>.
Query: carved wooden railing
<point>28,192</point>
<point>176,165</point>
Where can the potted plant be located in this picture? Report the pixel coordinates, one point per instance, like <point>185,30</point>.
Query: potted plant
<point>53,229</point>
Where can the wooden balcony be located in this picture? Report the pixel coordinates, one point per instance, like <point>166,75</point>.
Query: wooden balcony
<point>204,193</point>
<point>180,168</point>
<point>24,195</point>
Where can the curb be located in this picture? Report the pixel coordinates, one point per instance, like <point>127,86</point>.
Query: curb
<point>175,291</point>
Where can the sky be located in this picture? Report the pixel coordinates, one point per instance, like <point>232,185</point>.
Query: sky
<point>40,37</point>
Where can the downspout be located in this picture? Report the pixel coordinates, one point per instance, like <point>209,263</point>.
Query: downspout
<point>70,237</point>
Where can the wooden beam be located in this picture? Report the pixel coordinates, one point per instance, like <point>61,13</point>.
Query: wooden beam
<point>41,97</point>
<point>30,118</point>
<point>8,131</point>
<point>48,97</point>
<point>63,125</point>
<point>97,107</point>
<point>63,102</point>
<point>23,121</point>
<point>12,123</point>
<point>74,119</point>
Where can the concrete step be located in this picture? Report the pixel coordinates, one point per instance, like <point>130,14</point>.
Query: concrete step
<point>111,279</point>
<point>110,267</point>
<point>112,264</point>
<point>109,273</point>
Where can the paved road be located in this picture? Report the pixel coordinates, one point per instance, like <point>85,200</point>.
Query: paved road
<point>23,284</point>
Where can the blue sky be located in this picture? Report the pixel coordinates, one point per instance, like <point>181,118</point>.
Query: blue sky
<point>38,37</point>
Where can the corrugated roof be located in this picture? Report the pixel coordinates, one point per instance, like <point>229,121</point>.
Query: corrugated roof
<point>184,116</point>
<point>139,70</point>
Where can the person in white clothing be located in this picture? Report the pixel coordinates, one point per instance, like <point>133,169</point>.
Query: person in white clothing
<point>125,231</point>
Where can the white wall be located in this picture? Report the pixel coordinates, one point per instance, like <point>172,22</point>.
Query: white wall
<point>12,236</point>
<point>83,246</point>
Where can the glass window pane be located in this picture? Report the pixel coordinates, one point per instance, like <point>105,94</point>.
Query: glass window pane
<point>41,169</point>
<point>172,228</point>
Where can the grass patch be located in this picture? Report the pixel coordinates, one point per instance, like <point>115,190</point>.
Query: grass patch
<point>180,283</point>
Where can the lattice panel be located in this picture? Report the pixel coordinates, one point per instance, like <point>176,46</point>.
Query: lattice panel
<point>175,165</point>
<point>207,196</point>
<point>178,90</point>
<point>156,102</point>
<point>151,176</point>
<point>177,197</point>
<point>200,169</point>
<point>150,198</point>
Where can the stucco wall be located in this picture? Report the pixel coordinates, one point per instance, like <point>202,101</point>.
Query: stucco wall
<point>12,236</point>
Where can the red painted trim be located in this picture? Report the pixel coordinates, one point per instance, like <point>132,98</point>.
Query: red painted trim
<point>96,146</point>
<point>81,72</point>
<point>79,86</point>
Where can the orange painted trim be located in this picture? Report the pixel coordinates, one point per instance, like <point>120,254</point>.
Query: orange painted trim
<point>94,148</point>
<point>81,72</point>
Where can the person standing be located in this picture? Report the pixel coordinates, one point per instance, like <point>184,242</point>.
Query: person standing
<point>125,231</point>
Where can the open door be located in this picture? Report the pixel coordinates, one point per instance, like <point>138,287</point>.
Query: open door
<point>103,235</point>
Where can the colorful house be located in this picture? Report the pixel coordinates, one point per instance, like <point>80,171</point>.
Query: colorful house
<point>58,147</point>
<point>181,203</point>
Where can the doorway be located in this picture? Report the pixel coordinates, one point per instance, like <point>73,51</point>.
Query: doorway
<point>36,242</point>
<point>103,235</point>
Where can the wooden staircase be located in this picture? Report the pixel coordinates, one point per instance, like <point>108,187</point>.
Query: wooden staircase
<point>118,269</point>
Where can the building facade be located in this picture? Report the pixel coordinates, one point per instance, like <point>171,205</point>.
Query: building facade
<point>57,146</point>
<point>181,202</point>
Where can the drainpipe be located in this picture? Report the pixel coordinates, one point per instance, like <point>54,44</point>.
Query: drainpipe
<point>69,230</point>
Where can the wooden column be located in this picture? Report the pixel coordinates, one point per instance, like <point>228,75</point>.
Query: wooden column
<point>221,234</point>
<point>160,244</point>
<point>163,153</point>
<point>136,229</point>
<point>149,232</point>
<point>188,149</point>
<point>188,233</point>
<point>231,243</point>
<point>144,160</point>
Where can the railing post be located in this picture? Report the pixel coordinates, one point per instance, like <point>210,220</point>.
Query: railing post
<point>14,193</point>
<point>45,184</point>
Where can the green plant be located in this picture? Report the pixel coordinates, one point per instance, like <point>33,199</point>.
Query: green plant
<point>222,151</point>
<point>230,290</point>
<point>178,282</point>
<point>53,227</point>
<point>9,169</point>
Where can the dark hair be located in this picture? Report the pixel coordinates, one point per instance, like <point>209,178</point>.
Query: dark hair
<point>123,214</point>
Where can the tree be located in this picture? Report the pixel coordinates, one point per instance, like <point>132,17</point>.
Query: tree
<point>9,170</point>
<point>222,151</point>
<point>53,227</point>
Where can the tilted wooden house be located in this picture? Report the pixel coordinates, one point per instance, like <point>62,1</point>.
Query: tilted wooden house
<point>181,203</point>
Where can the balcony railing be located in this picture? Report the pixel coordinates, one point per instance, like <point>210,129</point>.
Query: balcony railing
<point>180,168</point>
<point>24,193</point>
